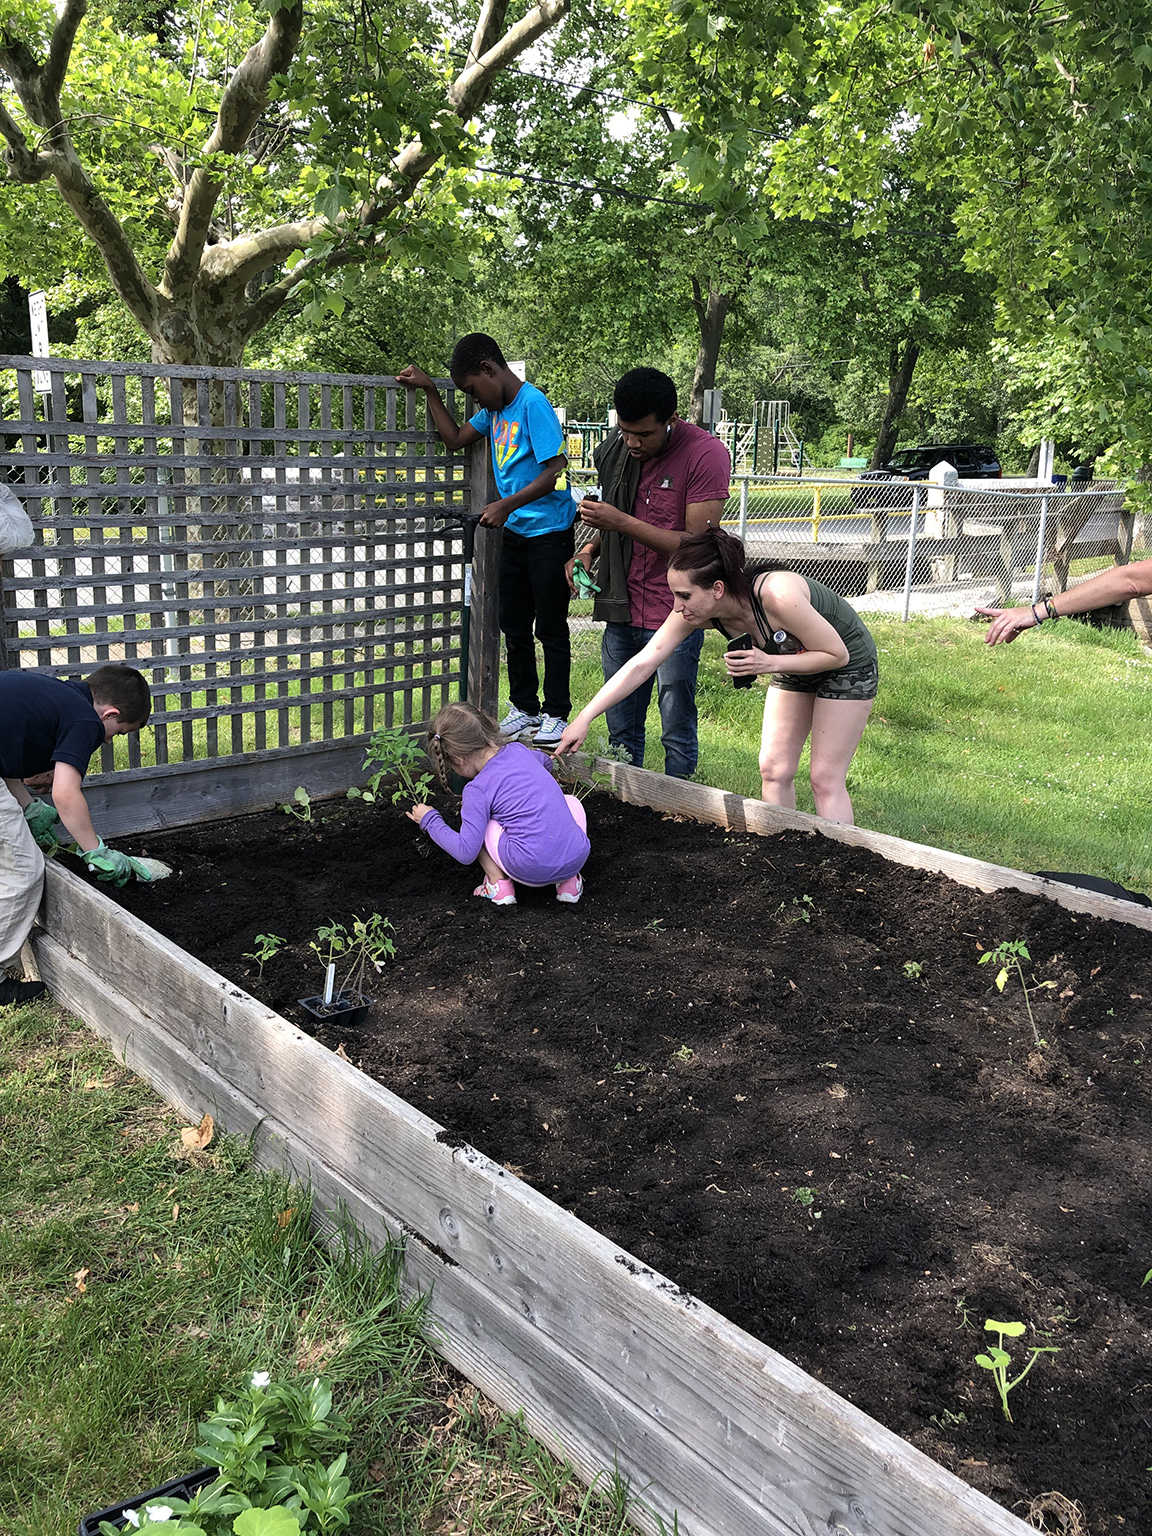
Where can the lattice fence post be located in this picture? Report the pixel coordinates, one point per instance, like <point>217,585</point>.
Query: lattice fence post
<point>484,641</point>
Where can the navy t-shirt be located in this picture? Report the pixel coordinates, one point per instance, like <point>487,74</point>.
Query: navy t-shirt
<point>45,720</point>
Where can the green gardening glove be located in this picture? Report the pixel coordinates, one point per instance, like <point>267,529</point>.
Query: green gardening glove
<point>582,580</point>
<point>110,864</point>
<point>44,824</point>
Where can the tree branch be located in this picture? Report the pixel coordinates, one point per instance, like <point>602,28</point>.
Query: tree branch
<point>60,51</point>
<point>487,29</point>
<point>243,259</point>
<point>469,90</point>
<point>244,99</point>
<point>38,88</point>
<point>258,314</point>
<point>23,164</point>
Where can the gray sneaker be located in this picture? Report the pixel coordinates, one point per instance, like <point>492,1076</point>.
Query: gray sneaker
<point>517,721</point>
<point>550,732</point>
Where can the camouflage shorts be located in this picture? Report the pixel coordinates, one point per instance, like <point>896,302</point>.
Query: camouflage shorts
<point>848,683</point>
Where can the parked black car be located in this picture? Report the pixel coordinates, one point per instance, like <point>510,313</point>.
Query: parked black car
<point>971,461</point>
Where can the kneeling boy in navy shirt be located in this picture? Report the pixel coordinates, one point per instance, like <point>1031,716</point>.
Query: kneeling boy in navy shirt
<point>49,723</point>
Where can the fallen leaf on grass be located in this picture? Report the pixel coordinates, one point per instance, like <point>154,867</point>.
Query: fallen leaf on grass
<point>197,1137</point>
<point>95,1082</point>
<point>80,1278</point>
<point>285,1217</point>
<point>176,1211</point>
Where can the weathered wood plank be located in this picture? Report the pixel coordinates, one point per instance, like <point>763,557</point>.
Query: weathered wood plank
<point>760,1447</point>
<point>178,794</point>
<point>677,797</point>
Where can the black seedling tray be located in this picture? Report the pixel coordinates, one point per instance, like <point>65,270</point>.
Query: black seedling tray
<point>179,1488</point>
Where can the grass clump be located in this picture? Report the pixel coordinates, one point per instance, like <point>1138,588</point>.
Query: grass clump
<point>140,1278</point>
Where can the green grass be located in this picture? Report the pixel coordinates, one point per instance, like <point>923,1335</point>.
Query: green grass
<point>1036,755</point>
<point>137,1281</point>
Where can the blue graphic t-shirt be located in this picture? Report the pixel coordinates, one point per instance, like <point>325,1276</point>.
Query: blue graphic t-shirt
<point>524,435</point>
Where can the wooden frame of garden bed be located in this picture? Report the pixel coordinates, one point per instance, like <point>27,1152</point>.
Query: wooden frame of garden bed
<point>613,1366</point>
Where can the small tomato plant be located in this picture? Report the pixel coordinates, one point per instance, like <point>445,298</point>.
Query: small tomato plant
<point>367,942</point>
<point>268,946</point>
<point>396,755</point>
<point>1009,953</point>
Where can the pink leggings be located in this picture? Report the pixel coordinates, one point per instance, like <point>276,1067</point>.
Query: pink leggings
<point>494,832</point>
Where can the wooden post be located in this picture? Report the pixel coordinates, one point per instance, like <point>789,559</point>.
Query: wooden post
<point>483,659</point>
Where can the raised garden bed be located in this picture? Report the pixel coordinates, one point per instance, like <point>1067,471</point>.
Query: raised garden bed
<point>696,1061</point>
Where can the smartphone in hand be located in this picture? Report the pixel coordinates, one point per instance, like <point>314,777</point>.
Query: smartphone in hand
<point>741,643</point>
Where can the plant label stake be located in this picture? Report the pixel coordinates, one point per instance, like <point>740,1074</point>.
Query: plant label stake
<point>329,982</point>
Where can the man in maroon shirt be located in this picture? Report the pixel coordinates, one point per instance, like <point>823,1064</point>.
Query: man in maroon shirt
<point>662,479</point>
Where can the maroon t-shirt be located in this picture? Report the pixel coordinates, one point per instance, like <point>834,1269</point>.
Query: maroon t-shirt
<point>694,467</point>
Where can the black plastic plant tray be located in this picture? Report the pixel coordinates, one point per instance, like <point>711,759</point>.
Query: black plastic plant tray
<point>179,1488</point>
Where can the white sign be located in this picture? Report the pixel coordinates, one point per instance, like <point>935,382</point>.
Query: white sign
<point>520,370</point>
<point>38,313</point>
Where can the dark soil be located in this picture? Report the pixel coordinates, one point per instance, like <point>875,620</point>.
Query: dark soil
<point>718,1060</point>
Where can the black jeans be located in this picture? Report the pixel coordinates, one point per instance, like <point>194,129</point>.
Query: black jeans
<point>534,590</point>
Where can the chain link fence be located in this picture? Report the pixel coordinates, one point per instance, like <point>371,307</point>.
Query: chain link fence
<point>917,550</point>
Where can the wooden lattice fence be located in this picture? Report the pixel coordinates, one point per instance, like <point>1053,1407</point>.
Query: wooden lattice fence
<point>268,548</point>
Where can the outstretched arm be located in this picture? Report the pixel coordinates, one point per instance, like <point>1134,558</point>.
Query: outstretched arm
<point>670,634</point>
<point>1119,585</point>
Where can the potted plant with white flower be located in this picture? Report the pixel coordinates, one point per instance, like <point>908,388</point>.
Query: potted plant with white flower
<point>267,1473</point>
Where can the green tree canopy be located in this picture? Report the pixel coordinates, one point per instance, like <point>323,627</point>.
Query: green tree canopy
<point>218,164</point>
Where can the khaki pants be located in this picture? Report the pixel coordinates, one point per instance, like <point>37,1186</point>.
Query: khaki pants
<point>21,878</point>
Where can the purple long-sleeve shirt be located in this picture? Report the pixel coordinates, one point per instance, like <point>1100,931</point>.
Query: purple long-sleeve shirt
<point>541,841</point>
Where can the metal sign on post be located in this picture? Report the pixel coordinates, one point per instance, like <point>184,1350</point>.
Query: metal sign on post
<point>38,314</point>
<point>711,407</point>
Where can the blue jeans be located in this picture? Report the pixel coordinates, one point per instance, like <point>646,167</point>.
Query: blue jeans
<point>676,697</point>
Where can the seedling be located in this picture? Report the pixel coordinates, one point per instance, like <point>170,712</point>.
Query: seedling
<point>913,970</point>
<point>625,1066</point>
<point>1146,1279</point>
<point>804,1196</point>
<point>1010,953</point>
<point>366,943</point>
<point>583,779</point>
<point>300,805</point>
<point>685,1053</point>
<point>998,1360</point>
<point>268,945</point>
<point>396,755</point>
<point>804,906</point>
<point>655,926</point>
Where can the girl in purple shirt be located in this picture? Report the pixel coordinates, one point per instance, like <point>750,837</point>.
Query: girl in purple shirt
<point>514,817</point>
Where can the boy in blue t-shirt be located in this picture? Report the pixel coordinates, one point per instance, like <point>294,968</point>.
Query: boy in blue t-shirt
<point>536,511</point>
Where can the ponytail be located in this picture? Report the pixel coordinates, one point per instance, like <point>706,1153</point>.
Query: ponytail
<point>457,731</point>
<point>713,556</point>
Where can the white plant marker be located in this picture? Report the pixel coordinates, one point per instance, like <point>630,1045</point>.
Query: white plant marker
<point>329,983</point>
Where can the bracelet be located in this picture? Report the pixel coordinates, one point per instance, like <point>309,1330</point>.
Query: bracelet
<point>1050,608</point>
<point>1036,619</point>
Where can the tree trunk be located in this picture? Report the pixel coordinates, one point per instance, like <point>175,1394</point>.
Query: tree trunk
<point>901,365</point>
<point>711,313</point>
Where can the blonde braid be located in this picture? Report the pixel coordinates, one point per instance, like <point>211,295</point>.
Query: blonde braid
<point>436,752</point>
